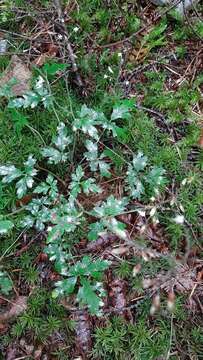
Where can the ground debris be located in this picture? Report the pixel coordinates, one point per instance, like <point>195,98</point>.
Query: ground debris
<point>83,329</point>
<point>102,242</point>
<point>18,306</point>
<point>19,71</point>
<point>181,279</point>
<point>118,298</point>
<point>50,52</point>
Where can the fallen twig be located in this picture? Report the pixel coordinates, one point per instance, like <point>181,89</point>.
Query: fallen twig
<point>68,44</point>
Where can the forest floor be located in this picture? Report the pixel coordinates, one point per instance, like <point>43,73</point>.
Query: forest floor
<point>103,54</point>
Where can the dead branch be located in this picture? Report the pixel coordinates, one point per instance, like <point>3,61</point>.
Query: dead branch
<point>72,57</point>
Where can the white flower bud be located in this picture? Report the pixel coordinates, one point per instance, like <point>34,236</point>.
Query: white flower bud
<point>179,219</point>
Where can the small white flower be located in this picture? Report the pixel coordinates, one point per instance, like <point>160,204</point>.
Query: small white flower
<point>127,82</point>
<point>60,37</point>
<point>106,76</point>
<point>152,211</point>
<point>155,220</point>
<point>145,257</point>
<point>141,213</point>
<point>182,208</point>
<point>110,69</point>
<point>49,228</point>
<point>184,182</point>
<point>152,198</point>
<point>76,29</point>
<point>179,219</point>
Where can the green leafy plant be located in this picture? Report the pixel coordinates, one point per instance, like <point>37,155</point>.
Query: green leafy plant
<point>61,214</point>
<point>19,120</point>
<point>57,153</point>
<point>11,173</point>
<point>6,283</point>
<point>137,182</point>
<point>31,99</point>
<point>96,161</point>
<point>77,184</point>
<point>5,226</point>
<point>87,274</point>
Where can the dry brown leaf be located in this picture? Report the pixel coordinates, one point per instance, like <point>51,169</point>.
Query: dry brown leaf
<point>138,55</point>
<point>3,328</point>
<point>19,71</point>
<point>18,306</point>
<point>121,250</point>
<point>11,352</point>
<point>182,279</point>
<point>49,54</point>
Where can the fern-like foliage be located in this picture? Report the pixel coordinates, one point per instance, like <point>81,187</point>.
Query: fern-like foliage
<point>25,176</point>
<point>56,153</point>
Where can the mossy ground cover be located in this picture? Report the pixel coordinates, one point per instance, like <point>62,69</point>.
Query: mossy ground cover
<point>124,50</point>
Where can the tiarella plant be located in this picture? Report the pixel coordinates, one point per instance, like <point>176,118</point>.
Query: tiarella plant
<point>60,214</point>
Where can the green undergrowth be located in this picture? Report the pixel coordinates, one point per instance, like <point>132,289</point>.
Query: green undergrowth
<point>168,138</point>
<point>149,339</point>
